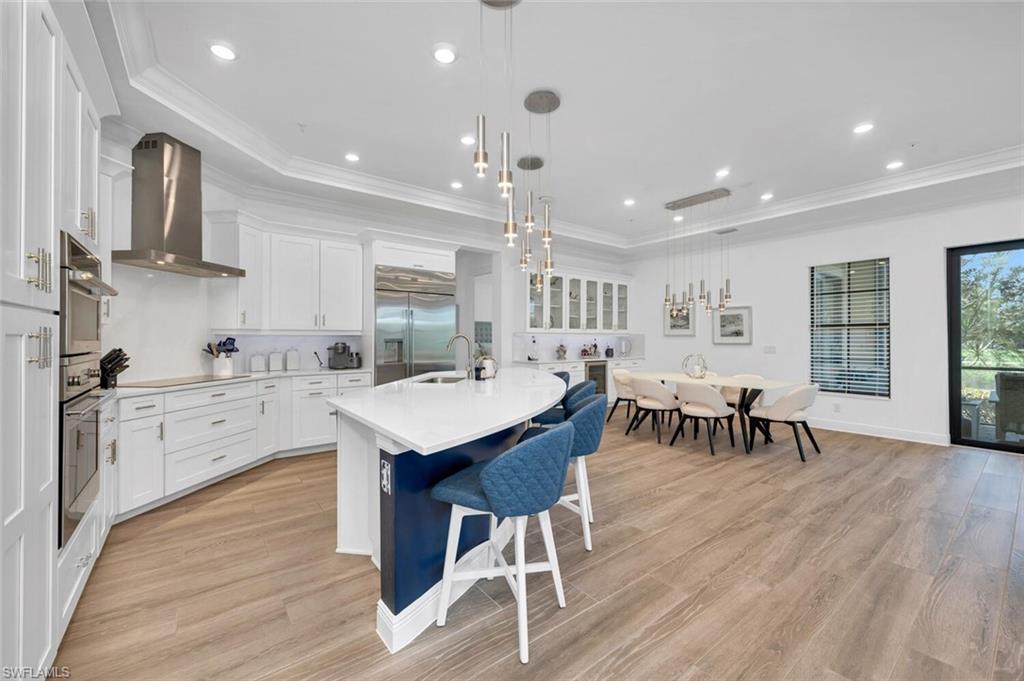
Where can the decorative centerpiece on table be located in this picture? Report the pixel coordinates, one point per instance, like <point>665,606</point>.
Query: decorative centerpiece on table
<point>695,366</point>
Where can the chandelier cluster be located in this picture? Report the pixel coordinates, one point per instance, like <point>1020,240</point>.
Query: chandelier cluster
<point>541,101</point>
<point>680,301</point>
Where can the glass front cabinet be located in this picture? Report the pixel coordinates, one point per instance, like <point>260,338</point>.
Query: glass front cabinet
<point>577,303</point>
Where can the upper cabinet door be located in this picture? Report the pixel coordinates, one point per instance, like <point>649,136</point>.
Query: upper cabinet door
<point>556,301</point>
<point>341,286</point>
<point>607,306</point>
<point>294,283</point>
<point>622,306</point>
<point>30,49</point>
<point>70,143</point>
<point>535,320</point>
<point>575,304</point>
<point>250,287</point>
<point>88,174</point>
<point>591,297</point>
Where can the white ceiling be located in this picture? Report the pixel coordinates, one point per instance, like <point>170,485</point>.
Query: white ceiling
<point>656,98</point>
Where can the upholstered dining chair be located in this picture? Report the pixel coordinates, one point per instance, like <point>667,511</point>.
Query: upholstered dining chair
<point>791,410</point>
<point>588,420</point>
<point>653,399</point>
<point>573,397</point>
<point>701,402</point>
<point>526,480</point>
<point>623,391</point>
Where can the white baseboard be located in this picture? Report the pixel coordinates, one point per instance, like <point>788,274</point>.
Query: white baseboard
<point>398,631</point>
<point>941,439</point>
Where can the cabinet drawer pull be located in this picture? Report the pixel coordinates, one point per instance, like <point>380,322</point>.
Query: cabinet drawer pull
<point>355,380</point>
<point>332,413</point>
<point>270,387</point>
<point>218,458</point>
<point>315,394</point>
<point>145,406</point>
<point>217,395</point>
<point>218,422</point>
<point>315,382</point>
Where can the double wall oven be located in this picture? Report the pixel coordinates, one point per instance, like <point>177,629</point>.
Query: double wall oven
<point>81,294</point>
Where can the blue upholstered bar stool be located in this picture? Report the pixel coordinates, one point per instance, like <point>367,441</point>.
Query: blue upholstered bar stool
<point>572,399</point>
<point>588,419</point>
<point>564,375</point>
<point>523,481</point>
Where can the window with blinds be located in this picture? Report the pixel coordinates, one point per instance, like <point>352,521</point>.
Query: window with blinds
<point>850,327</point>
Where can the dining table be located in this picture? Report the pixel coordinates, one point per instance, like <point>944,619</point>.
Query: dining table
<point>750,388</point>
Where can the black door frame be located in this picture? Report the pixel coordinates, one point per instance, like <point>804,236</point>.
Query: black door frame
<point>953,317</point>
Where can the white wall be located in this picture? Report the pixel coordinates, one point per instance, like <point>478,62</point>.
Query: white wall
<point>772,276</point>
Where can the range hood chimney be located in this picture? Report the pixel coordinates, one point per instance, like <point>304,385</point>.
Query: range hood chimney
<point>167,210</point>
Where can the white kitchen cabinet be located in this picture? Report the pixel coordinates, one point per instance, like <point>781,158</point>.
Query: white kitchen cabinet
<point>78,143</point>
<point>238,302</point>
<point>315,285</point>
<point>312,421</point>
<point>268,424</point>
<point>140,478</point>
<point>294,282</point>
<point>28,486</point>
<point>577,303</point>
<point>108,466</point>
<point>30,47</point>
<point>341,286</point>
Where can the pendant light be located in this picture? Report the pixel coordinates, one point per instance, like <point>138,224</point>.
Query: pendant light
<point>549,263</point>
<point>505,173</point>
<point>511,229</point>
<point>480,155</point>
<point>529,220</point>
<point>545,234</point>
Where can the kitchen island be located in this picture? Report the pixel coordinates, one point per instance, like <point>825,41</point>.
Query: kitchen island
<point>395,442</point>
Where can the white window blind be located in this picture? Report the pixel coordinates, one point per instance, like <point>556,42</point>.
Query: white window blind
<point>850,327</point>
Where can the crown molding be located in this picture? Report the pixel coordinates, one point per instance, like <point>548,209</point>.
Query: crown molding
<point>940,173</point>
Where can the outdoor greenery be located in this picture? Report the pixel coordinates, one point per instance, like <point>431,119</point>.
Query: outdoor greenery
<point>992,309</point>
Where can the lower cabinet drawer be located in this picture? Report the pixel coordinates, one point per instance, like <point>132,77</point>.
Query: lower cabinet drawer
<point>138,407</point>
<point>75,559</point>
<point>202,397</point>
<point>551,367</point>
<point>318,382</point>
<point>203,424</point>
<point>354,380</point>
<point>197,464</point>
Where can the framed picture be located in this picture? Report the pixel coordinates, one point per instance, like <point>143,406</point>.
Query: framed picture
<point>683,325</point>
<point>735,326</point>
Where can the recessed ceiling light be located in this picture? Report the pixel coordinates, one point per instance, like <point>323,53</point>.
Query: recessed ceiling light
<point>222,51</point>
<point>767,196</point>
<point>628,202</point>
<point>894,165</point>
<point>445,53</point>
<point>864,127</point>
<point>456,185</point>
<point>468,140</point>
<point>724,172</point>
<point>677,218</point>
<point>223,274</point>
<point>351,157</point>
<point>160,262</point>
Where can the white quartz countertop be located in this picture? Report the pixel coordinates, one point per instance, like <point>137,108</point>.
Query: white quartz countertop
<point>130,391</point>
<point>536,362</point>
<point>430,417</point>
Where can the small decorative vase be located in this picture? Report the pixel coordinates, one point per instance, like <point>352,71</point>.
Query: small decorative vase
<point>695,365</point>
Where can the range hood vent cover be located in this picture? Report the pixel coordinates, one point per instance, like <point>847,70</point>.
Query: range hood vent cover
<point>167,210</point>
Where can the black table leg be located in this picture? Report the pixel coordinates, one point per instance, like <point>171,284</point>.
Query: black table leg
<point>740,409</point>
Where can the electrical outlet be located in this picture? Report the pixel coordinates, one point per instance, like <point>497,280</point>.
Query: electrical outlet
<point>769,349</point>
<point>835,407</point>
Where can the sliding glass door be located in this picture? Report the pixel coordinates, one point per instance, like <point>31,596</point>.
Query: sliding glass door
<point>985,294</point>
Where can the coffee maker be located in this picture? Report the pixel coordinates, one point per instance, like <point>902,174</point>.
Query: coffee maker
<point>339,356</point>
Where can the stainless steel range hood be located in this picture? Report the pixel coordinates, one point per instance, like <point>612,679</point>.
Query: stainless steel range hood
<point>167,210</point>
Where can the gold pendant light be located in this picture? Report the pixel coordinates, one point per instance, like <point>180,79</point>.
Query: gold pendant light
<point>529,220</point>
<point>480,155</point>
<point>511,229</point>
<point>545,234</point>
<point>505,173</point>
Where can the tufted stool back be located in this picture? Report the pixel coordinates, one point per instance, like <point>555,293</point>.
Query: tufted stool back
<point>528,478</point>
<point>588,420</point>
<point>575,395</point>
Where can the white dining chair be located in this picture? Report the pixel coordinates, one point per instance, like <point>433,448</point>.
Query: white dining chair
<point>791,410</point>
<point>653,399</point>
<point>623,391</point>
<point>732,395</point>
<point>701,402</point>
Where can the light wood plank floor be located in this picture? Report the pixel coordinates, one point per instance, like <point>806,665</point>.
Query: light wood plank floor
<point>877,560</point>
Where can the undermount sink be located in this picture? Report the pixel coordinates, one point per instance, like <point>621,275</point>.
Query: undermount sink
<point>443,379</point>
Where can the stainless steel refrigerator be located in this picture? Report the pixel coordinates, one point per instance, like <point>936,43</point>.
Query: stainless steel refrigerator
<point>416,316</point>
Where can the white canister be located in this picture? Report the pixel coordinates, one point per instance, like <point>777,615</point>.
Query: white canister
<point>275,361</point>
<point>222,366</point>
<point>257,364</point>
<point>291,360</point>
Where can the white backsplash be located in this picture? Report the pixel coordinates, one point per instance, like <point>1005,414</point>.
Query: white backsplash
<point>306,345</point>
<point>543,346</point>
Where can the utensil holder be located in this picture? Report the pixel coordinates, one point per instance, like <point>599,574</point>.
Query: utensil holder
<point>222,366</point>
